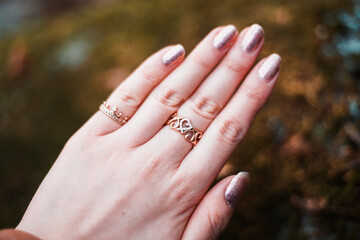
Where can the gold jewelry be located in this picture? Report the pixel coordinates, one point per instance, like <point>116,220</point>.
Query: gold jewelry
<point>119,118</point>
<point>184,126</point>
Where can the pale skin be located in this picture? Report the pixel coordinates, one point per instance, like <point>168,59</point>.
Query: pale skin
<point>142,180</point>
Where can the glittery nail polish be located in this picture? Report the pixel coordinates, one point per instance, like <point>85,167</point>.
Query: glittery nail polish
<point>270,67</point>
<point>224,37</point>
<point>236,188</point>
<point>252,38</point>
<point>173,55</point>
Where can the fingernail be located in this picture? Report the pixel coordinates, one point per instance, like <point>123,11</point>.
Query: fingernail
<point>236,187</point>
<point>224,37</point>
<point>173,55</point>
<point>270,67</point>
<point>252,38</point>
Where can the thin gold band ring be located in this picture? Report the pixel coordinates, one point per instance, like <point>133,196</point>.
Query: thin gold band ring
<point>111,112</point>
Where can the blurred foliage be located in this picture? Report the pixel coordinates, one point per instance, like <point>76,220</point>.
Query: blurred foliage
<point>302,150</point>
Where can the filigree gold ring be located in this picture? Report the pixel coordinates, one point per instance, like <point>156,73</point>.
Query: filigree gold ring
<point>111,112</point>
<point>184,126</point>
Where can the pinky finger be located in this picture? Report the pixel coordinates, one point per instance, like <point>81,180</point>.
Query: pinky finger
<point>213,213</point>
<point>130,94</point>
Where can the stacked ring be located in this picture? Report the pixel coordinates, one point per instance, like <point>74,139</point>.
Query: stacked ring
<point>184,126</point>
<point>119,118</point>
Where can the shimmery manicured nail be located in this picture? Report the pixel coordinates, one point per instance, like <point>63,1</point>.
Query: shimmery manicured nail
<point>173,55</point>
<point>270,67</point>
<point>252,38</point>
<point>224,37</point>
<point>236,188</point>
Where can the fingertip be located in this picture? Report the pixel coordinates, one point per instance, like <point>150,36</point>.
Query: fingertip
<point>213,214</point>
<point>236,188</point>
<point>225,37</point>
<point>270,67</point>
<point>173,55</point>
<point>243,32</point>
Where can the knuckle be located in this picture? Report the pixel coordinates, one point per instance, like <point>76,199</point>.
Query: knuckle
<point>129,97</point>
<point>169,98</point>
<point>205,106</point>
<point>80,141</point>
<point>217,222</point>
<point>149,75</point>
<point>254,93</point>
<point>232,131</point>
<point>202,61</point>
<point>182,192</point>
<point>236,68</point>
<point>152,166</point>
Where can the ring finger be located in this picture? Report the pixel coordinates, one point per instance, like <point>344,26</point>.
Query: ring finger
<point>209,99</point>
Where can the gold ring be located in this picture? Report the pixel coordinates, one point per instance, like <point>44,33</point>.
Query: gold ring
<point>119,118</point>
<point>184,126</point>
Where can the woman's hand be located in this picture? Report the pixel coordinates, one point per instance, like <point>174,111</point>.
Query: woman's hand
<point>144,180</point>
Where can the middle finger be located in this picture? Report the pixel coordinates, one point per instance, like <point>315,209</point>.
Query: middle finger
<point>169,95</point>
<point>213,94</point>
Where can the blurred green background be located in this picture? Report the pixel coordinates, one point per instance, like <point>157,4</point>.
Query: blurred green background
<point>60,59</point>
